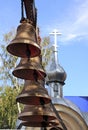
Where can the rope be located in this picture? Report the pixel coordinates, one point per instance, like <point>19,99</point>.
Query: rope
<point>22,10</point>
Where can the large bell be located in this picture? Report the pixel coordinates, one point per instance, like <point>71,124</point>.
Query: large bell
<point>38,124</point>
<point>30,69</point>
<point>39,113</point>
<point>25,42</point>
<point>33,93</point>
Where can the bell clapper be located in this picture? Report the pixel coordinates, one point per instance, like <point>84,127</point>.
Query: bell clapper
<point>42,102</point>
<point>27,51</point>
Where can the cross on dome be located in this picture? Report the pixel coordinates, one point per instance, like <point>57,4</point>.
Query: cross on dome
<point>55,33</point>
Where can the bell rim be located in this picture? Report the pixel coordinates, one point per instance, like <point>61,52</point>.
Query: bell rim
<point>26,100</point>
<point>34,124</point>
<point>26,117</point>
<point>14,45</point>
<point>17,73</point>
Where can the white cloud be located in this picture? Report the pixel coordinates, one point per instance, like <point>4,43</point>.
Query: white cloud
<point>78,29</point>
<point>73,28</point>
<point>69,37</point>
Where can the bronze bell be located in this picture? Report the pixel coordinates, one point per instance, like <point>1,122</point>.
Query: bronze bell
<point>39,113</point>
<point>29,69</point>
<point>33,93</point>
<point>38,124</point>
<point>25,42</point>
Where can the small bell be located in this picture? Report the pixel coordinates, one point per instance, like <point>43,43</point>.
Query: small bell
<point>32,113</point>
<point>25,43</point>
<point>29,69</point>
<point>34,93</point>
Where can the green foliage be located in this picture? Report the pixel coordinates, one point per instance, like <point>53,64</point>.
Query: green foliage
<point>9,85</point>
<point>7,61</point>
<point>46,50</point>
<point>8,108</point>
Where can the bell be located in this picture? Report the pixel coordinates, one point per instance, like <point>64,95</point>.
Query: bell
<point>32,113</point>
<point>29,69</point>
<point>25,43</point>
<point>38,124</point>
<point>33,93</point>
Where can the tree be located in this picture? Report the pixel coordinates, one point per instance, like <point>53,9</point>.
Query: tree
<point>8,62</point>
<point>8,108</point>
<point>46,50</point>
<point>10,86</point>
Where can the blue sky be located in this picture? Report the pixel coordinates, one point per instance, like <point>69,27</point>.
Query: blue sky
<point>70,17</point>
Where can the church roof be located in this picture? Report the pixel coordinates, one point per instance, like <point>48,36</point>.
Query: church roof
<point>71,118</point>
<point>85,116</point>
<point>66,102</point>
<point>82,103</point>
